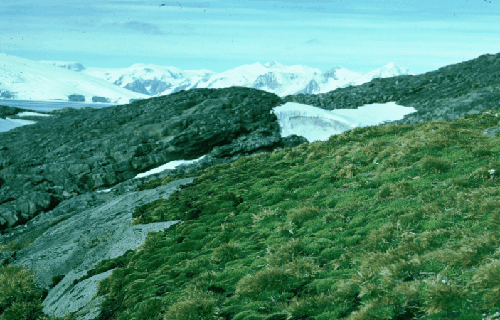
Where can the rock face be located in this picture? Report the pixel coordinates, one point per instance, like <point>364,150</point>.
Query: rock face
<point>100,99</point>
<point>77,151</point>
<point>149,87</point>
<point>446,93</point>
<point>76,98</point>
<point>9,111</point>
<point>311,87</point>
<point>76,245</point>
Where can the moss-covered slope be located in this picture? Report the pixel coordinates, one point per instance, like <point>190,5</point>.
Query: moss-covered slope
<point>388,222</point>
<point>385,222</point>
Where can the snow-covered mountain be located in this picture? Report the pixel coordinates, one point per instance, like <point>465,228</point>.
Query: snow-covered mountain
<point>24,79</point>
<point>150,79</point>
<point>272,77</point>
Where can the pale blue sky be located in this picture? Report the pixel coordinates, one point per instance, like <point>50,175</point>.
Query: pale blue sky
<point>359,35</point>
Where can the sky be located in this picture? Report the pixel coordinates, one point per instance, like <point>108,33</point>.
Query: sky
<point>360,35</point>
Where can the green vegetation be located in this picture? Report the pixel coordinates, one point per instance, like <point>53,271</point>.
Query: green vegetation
<point>385,222</point>
<point>20,299</point>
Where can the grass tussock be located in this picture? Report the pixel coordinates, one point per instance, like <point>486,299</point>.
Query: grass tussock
<point>386,222</point>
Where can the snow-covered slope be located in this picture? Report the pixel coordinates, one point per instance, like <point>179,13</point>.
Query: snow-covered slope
<point>272,77</point>
<point>57,80</point>
<point>25,79</point>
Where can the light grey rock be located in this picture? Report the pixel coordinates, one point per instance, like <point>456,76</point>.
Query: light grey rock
<point>66,298</point>
<point>77,244</point>
<point>491,132</point>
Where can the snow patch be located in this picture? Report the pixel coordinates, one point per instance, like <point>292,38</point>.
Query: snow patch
<point>35,114</point>
<point>169,165</point>
<point>316,124</point>
<point>104,191</point>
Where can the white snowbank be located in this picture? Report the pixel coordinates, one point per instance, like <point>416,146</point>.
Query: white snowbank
<point>104,191</point>
<point>316,124</point>
<point>169,165</point>
<point>29,113</point>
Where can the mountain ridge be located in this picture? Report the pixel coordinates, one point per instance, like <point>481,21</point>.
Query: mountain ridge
<point>155,80</point>
<point>271,76</point>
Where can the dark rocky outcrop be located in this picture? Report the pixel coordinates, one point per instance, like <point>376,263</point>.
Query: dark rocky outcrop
<point>76,98</point>
<point>100,99</point>
<point>148,87</point>
<point>77,151</point>
<point>9,111</point>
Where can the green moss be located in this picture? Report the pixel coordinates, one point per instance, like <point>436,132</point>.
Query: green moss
<point>20,298</point>
<point>365,225</point>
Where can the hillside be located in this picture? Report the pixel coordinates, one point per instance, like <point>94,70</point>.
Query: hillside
<point>388,222</point>
<point>382,222</point>
<point>396,221</point>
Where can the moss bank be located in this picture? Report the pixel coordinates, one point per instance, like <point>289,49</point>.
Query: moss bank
<point>385,222</point>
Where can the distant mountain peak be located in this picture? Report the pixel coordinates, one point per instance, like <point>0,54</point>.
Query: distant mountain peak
<point>390,70</point>
<point>390,65</point>
<point>273,64</point>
